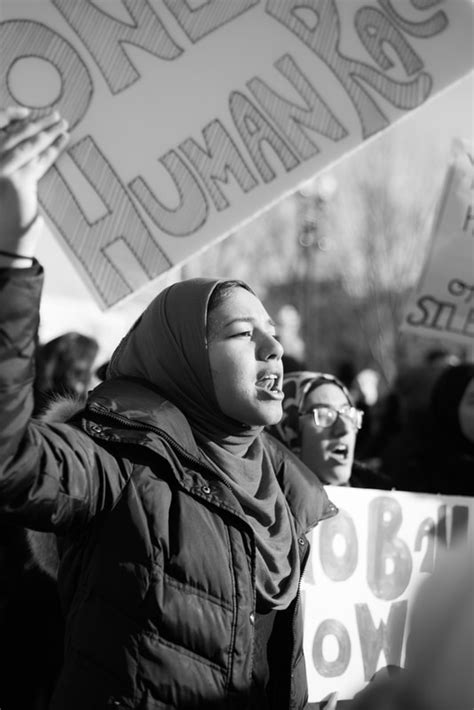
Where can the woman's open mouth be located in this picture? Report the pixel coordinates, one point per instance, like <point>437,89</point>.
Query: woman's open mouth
<point>340,453</point>
<point>270,385</point>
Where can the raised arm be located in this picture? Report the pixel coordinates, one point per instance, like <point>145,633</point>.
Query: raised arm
<point>52,477</point>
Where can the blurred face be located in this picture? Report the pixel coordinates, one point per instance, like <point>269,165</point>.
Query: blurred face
<point>245,360</point>
<point>466,412</point>
<point>73,376</point>
<point>329,452</point>
<point>78,376</point>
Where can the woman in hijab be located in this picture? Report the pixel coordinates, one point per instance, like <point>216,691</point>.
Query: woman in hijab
<point>181,524</point>
<point>320,425</point>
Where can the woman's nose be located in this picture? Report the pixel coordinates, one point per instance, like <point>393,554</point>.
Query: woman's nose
<point>270,348</point>
<point>341,426</point>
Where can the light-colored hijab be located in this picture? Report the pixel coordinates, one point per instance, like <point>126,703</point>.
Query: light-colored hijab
<point>167,347</point>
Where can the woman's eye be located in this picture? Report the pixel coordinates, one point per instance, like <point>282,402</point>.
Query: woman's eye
<point>324,411</point>
<point>243,334</point>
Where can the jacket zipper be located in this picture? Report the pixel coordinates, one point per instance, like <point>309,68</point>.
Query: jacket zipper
<point>187,457</point>
<point>195,462</point>
<point>149,427</point>
<point>297,599</point>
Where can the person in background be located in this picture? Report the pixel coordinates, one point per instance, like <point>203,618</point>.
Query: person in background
<point>364,390</point>
<point>64,366</point>
<point>288,323</point>
<point>320,425</point>
<point>403,433</point>
<point>182,523</point>
<point>446,463</point>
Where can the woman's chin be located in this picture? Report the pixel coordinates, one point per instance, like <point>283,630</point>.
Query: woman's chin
<point>338,475</point>
<point>267,413</point>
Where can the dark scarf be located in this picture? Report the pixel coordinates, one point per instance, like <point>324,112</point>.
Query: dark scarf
<point>167,346</point>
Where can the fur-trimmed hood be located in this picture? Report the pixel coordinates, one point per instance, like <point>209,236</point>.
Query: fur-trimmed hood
<point>40,548</point>
<point>62,408</point>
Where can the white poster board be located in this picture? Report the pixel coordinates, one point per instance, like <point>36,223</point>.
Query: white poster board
<point>443,303</point>
<point>189,117</point>
<point>365,566</point>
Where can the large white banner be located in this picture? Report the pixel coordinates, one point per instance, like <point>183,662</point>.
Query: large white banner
<point>190,116</point>
<point>442,305</point>
<point>365,567</point>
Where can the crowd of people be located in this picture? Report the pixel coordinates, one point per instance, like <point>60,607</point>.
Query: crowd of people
<point>153,527</point>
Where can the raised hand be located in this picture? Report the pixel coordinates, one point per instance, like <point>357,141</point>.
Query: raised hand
<point>28,148</point>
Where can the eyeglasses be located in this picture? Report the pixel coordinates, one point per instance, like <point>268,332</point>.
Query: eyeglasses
<point>325,416</point>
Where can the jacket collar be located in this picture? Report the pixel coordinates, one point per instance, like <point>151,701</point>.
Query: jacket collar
<point>136,402</point>
<point>116,401</point>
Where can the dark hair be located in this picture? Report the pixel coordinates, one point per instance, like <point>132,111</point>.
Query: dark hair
<point>220,293</point>
<point>56,361</point>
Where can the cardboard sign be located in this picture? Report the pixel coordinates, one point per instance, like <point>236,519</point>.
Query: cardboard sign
<point>189,117</point>
<point>365,567</point>
<point>443,303</point>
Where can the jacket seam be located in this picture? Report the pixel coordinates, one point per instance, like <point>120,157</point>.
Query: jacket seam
<point>215,501</point>
<point>184,651</point>
<point>191,589</point>
<point>233,627</point>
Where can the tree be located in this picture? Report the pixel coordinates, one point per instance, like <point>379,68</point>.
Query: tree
<point>379,224</point>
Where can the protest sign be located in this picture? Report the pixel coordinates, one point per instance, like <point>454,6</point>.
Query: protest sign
<point>189,117</point>
<point>442,305</point>
<point>365,566</point>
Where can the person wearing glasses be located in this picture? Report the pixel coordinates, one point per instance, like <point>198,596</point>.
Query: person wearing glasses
<point>320,425</point>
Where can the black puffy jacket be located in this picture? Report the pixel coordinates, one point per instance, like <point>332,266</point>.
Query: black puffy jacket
<point>157,575</point>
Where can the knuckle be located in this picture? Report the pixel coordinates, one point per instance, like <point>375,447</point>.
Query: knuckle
<point>35,141</point>
<point>24,148</point>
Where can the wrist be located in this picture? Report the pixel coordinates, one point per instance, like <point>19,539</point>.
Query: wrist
<point>19,208</point>
<point>21,252</point>
<point>9,260</point>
